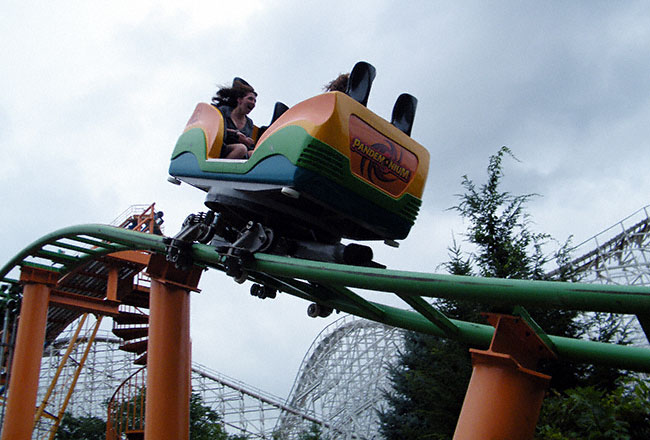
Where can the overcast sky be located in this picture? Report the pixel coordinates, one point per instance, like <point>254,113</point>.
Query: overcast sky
<point>95,94</point>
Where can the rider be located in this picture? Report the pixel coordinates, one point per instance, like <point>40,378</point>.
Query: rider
<point>235,103</point>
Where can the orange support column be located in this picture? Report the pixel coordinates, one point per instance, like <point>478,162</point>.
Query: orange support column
<point>30,337</point>
<point>168,351</point>
<point>505,394</point>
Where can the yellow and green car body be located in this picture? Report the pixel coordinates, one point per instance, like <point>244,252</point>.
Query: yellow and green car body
<point>327,165</point>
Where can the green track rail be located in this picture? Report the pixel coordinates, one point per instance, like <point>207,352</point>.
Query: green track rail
<point>330,284</point>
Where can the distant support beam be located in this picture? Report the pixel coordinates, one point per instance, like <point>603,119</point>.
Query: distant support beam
<point>57,374</point>
<point>75,378</point>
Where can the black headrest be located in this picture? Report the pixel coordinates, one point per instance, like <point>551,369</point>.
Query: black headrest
<point>278,110</point>
<point>360,81</point>
<point>404,112</point>
<point>240,81</point>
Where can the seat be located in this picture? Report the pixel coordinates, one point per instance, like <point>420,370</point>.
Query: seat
<point>278,110</point>
<point>404,112</point>
<point>360,82</point>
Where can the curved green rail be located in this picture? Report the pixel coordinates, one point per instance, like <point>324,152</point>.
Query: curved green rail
<point>329,284</point>
<point>67,248</point>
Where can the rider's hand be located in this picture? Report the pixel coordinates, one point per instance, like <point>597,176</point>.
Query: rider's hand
<point>245,139</point>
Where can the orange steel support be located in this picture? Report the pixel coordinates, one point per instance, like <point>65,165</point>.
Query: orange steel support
<point>505,394</point>
<point>168,351</point>
<point>112,283</point>
<point>21,402</point>
<point>84,304</point>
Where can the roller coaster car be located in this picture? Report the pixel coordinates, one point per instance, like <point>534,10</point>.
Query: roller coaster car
<point>326,169</point>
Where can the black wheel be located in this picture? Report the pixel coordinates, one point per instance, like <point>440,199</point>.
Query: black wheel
<point>270,292</point>
<point>318,310</point>
<point>325,311</point>
<point>313,310</point>
<point>257,290</point>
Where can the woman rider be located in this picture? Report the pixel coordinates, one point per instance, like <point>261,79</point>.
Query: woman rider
<point>235,103</point>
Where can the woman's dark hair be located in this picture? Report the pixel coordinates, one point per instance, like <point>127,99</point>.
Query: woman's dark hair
<point>340,84</point>
<point>229,95</point>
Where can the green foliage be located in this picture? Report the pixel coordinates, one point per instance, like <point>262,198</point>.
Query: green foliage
<point>314,433</point>
<point>594,414</point>
<point>432,376</point>
<point>430,382</point>
<point>428,388</point>
<point>499,227</point>
<point>205,423</point>
<point>81,428</point>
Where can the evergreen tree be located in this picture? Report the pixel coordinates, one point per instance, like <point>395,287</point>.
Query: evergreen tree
<point>429,385</point>
<point>594,413</point>
<point>205,423</point>
<point>431,378</point>
<point>314,433</point>
<point>81,428</point>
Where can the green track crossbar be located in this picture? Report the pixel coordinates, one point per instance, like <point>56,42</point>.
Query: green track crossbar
<point>431,313</point>
<point>330,284</point>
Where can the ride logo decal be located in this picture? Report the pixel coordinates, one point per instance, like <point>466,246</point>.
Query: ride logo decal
<point>379,160</point>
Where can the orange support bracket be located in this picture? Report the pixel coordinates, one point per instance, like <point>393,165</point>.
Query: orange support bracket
<point>30,337</point>
<point>169,351</point>
<point>112,283</point>
<point>505,393</point>
<point>84,304</point>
